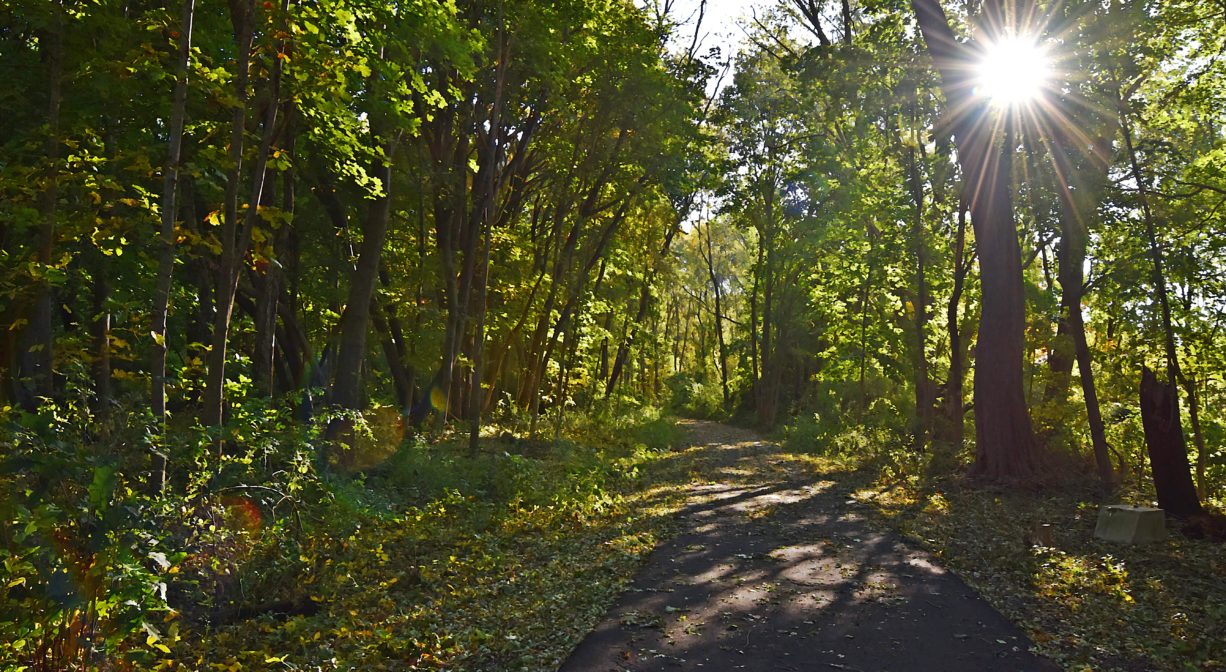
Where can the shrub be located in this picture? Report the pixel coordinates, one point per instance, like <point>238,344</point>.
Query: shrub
<point>695,398</point>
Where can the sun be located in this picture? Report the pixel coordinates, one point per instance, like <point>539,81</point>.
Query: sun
<point>1013,71</point>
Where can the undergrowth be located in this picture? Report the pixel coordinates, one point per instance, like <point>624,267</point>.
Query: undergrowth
<point>274,549</point>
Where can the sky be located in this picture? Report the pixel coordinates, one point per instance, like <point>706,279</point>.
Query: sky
<point>719,24</point>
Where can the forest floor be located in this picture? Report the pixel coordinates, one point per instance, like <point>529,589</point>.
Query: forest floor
<point>719,550</point>
<point>776,567</point>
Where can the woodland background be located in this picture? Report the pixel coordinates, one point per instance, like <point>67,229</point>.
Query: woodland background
<point>325,307</point>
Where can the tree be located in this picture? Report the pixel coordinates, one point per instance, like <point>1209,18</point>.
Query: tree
<point>1006,449</point>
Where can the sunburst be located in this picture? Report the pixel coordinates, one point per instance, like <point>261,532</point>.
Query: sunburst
<point>1013,71</point>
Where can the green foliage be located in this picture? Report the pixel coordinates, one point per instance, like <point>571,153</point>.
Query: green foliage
<point>447,559</point>
<point>693,397</point>
<point>87,564</point>
<point>104,566</point>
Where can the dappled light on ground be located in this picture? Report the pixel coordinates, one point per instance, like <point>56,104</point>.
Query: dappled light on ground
<point>775,569</point>
<point>1087,603</point>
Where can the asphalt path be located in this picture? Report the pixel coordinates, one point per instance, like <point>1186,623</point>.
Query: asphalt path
<point>773,572</point>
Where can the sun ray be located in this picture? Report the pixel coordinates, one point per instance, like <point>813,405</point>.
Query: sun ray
<point>1015,70</point>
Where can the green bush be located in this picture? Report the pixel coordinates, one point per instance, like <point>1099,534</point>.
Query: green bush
<point>87,563</point>
<point>695,398</point>
<point>805,434</point>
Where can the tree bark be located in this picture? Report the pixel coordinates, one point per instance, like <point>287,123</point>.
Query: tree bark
<point>166,242</point>
<point>1168,452</point>
<point>355,321</point>
<point>235,237</point>
<point>1166,440</point>
<point>846,21</point>
<point>36,359</point>
<point>923,402</point>
<point>709,257</point>
<point>950,430</point>
<point>1078,208</point>
<point>1198,436</point>
<point>486,234</point>
<point>1006,449</point>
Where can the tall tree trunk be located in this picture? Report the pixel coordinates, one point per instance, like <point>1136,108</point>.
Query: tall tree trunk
<point>235,236</point>
<point>268,279</point>
<point>166,241</point>
<point>950,430</point>
<point>1198,437</point>
<point>1006,449</point>
<point>1077,210</point>
<point>709,257</point>
<point>355,321</point>
<point>865,292</point>
<point>755,358</point>
<point>38,342</point>
<point>765,394</point>
<point>923,401</point>
<point>486,233</point>
<point>402,376</point>
<point>1098,430</point>
<point>846,21</point>
<point>1166,442</point>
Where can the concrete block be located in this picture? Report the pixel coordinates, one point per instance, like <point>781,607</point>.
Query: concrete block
<point>1130,524</point>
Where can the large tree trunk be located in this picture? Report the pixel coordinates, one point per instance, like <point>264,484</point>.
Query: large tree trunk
<point>1168,452</point>
<point>1006,449</point>
<point>1004,437</point>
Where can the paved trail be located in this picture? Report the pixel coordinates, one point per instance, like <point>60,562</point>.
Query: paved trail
<point>776,572</point>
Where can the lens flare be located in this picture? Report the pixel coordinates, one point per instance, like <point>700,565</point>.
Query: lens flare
<point>1014,71</point>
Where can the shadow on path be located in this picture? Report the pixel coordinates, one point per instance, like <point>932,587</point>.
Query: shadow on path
<point>786,575</point>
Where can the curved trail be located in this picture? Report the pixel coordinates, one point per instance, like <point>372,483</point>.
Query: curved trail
<point>773,569</point>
